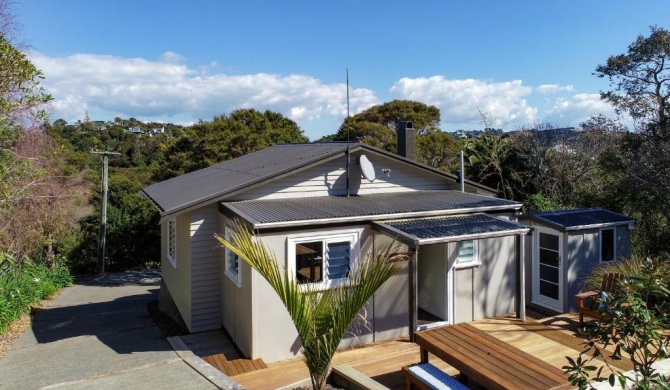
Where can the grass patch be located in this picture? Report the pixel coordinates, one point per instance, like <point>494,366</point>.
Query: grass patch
<point>25,283</point>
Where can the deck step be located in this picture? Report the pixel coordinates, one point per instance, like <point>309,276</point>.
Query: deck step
<point>235,366</point>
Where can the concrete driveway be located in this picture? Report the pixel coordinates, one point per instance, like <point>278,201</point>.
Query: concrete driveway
<point>99,335</point>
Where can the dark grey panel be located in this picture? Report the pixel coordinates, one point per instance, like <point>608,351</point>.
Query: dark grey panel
<point>327,207</point>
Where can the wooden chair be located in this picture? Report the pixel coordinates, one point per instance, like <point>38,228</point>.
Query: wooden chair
<point>587,302</point>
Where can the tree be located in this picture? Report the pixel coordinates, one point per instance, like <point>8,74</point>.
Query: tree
<point>492,161</point>
<point>321,318</point>
<point>424,118</point>
<point>640,80</point>
<point>439,150</point>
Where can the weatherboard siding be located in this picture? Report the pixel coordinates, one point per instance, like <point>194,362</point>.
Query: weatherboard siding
<point>330,178</point>
<point>205,270</point>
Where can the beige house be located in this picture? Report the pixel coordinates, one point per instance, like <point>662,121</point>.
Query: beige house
<point>320,207</point>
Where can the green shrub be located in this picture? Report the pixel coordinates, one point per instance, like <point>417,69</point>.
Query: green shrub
<point>627,267</point>
<point>25,283</point>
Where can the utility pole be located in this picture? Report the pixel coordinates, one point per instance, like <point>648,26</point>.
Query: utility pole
<point>102,230</point>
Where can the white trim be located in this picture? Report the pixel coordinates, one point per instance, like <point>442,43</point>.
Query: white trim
<point>600,247</point>
<point>172,242</point>
<point>235,277</point>
<point>536,297</point>
<point>353,237</point>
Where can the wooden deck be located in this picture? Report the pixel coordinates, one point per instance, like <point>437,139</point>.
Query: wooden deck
<point>550,340</point>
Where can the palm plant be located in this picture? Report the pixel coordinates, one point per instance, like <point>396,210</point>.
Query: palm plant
<point>321,317</point>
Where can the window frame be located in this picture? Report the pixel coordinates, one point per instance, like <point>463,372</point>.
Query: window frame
<point>476,261</point>
<point>234,275</point>
<point>600,248</point>
<point>172,242</point>
<point>353,237</point>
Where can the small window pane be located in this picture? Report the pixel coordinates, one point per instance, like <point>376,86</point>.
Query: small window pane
<point>338,260</point>
<point>607,245</point>
<point>309,262</point>
<point>549,289</point>
<point>549,241</point>
<point>172,242</point>
<point>466,252</point>
<point>232,260</point>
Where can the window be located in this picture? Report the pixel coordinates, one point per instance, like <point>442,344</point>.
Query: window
<point>172,242</point>
<point>324,261</point>
<point>232,262</point>
<point>467,255</point>
<point>607,245</point>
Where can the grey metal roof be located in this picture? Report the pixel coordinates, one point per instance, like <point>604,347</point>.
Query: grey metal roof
<point>579,219</point>
<point>422,231</point>
<point>218,180</point>
<point>304,211</point>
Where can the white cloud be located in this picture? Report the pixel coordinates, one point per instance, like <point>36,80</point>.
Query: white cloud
<point>460,100</point>
<point>554,88</point>
<point>168,90</point>
<point>577,108</point>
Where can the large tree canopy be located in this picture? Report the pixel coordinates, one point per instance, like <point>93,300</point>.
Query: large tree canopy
<point>640,81</point>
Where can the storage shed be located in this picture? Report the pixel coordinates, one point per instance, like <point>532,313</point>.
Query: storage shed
<point>566,246</point>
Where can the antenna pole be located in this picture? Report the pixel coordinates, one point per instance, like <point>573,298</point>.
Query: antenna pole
<point>462,174</point>
<point>102,229</point>
<point>348,162</point>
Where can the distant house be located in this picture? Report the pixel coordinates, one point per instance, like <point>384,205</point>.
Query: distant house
<point>157,130</point>
<point>136,130</point>
<point>566,246</point>
<point>321,207</point>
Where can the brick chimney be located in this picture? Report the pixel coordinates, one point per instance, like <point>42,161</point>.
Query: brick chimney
<point>407,140</point>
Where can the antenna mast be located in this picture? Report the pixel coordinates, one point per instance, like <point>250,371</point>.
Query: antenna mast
<point>348,162</point>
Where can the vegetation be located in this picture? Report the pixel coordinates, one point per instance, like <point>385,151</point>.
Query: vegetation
<point>635,317</point>
<point>320,317</point>
<point>25,283</point>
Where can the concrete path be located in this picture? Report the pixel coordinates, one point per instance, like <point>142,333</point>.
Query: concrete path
<point>99,335</point>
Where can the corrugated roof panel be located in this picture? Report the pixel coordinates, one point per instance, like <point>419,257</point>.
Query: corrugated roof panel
<point>466,225</point>
<point>215,181</point>
<point>582,217</point>
<point>333,207</point>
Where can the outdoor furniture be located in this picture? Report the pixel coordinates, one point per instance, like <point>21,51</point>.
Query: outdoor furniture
<point>488,361</point>
<point>588,302</point>
<point>425,376</point>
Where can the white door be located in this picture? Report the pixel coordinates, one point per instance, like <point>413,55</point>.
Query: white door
<point>547,269</point>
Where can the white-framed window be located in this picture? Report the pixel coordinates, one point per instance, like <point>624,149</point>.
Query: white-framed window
<point>607,244</point>
<point>323,261</point>
<point>232,261</point>
<point>172,242</point>
<point>467,254</point>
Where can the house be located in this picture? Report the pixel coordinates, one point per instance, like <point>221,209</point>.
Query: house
<point>566,246</point>
<point>136,130</point>
<point>320,207</point>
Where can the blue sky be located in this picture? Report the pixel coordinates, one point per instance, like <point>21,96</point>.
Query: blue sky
<point>520,62</point>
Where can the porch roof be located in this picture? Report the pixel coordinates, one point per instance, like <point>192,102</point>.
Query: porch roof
<point>450,229</point>
<point>272,213</point>
<point>579,219</point>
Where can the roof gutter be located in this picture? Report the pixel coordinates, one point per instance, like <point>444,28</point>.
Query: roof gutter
<point>365,218</point>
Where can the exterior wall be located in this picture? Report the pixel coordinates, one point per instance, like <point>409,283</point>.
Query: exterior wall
<point>489,289</point>
<point>177,280</point>
<point>236,301</point>
<point>432,279</point>
<point>386,314</point>
<point>583,254</point>
<point>205,270</point>
<point>330,178</point>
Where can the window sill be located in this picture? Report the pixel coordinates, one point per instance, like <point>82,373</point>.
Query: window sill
<point>234,278</point>
<point>468,265</point>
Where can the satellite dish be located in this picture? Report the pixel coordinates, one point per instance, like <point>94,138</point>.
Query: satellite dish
<point>367,168</point>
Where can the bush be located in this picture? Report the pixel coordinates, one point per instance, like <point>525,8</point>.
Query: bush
<point>627,267</point>
<point>24,283</point>
<point>634,319</point>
